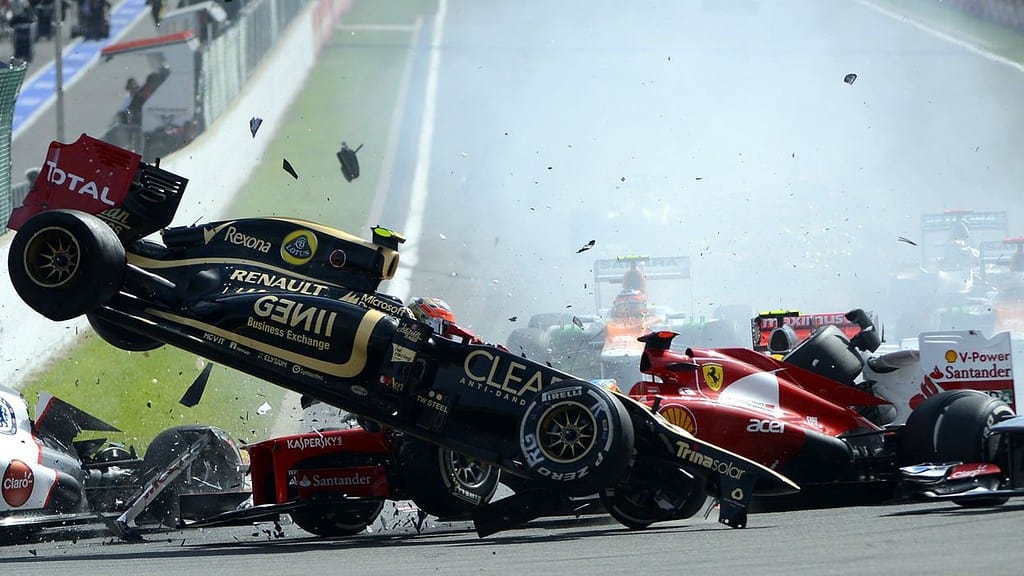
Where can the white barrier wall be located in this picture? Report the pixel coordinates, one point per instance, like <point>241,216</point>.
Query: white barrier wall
<point>217,164</point>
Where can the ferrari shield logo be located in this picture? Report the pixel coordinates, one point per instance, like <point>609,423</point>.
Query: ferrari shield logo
<point>712,376</point>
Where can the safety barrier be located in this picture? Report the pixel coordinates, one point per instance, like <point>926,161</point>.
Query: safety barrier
<point>11,77</point>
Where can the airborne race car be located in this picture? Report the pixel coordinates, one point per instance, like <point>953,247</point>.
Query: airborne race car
<point>52,481</point>
<point>296,303</point>
<point>796,414</point>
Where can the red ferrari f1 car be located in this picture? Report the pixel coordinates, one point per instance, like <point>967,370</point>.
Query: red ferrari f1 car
<point>807,413</point>
<point>296,303</point>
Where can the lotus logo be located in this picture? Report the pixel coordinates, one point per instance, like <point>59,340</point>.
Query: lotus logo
<point>298,247</point>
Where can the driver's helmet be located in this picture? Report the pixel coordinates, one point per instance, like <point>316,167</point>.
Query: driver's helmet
<point>630,304</point>
<point>433,311</point>
<point>634,280</point>
<point>960,232</point>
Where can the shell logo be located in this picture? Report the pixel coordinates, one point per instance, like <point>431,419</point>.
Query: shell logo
<point>18,482</point>
<point>951,356</point>
<point>680,416</point>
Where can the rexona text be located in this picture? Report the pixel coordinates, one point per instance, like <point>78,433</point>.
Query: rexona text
<point>55,175</point>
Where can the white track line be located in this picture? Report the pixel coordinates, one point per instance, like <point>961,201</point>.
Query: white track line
<point>401,284</point>
<point>380,195</point>
<point>377,27</point>
<point>942,35</point>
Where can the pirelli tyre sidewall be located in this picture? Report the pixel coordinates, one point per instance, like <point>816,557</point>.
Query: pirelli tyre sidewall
<point>64,263</point>
<point>576,437</point>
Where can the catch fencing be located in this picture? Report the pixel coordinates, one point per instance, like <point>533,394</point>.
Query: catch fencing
<point>226,64</point>
<point>11,77</point>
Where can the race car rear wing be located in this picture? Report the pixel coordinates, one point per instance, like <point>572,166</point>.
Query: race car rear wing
<point>613,270</point>
<point>134,198</point>
<point>981,225</point>
<point>997,255</point>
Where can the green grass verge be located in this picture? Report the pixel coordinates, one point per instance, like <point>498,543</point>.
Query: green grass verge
<point>349,96</point>
<point>995,38</point>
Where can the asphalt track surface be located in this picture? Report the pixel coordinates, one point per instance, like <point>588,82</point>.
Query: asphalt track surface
<point>719,130</point>
<point>904,539</point>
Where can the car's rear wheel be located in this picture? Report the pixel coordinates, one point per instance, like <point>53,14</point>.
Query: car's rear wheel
<point>121,337</point>
<point>218,468</point>
<point>337,519</point>
<point>64,263</point>
<point>443,483</point>
<point>951,426</point>
<point>576,436</point>
<point>642,500</point>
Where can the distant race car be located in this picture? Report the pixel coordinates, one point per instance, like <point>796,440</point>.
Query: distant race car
<point>605,345</point>
<point>948,285</point>
<point>52,481</point>
<point>296,303</point>
<point>811,416</point>
<point>1003,274</point>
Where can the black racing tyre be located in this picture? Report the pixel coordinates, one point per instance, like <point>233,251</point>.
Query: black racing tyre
<point>637,505</point>
<point>336,519</point>
<point>828,353</point>
<point>443,483</point>
<point>954,426</point>
<point>548,319</point>
<point>576,436</point>
<point>722,334</point>
<point>530,343</point>
<point>120,337</point>
<point>218,468</point>
<point>64,263</point>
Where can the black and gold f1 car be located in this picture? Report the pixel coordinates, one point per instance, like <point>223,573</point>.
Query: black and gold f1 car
<point>296,303</point>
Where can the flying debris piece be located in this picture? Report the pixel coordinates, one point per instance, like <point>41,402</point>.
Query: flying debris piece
<point>577,322</point>
<point>513,318</point>
<point>194,393</point>
<point>149,404</point>
<point>254,125</point>
<point>288,168</point>
<point>587,246</point>
<point>349,162</point>
<point>907,240</point>
<point>263,409</point>
<point>850,78</point>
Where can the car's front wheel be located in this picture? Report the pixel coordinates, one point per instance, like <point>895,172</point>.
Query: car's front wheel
<point>337,519</point>
<point>577,437</point>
